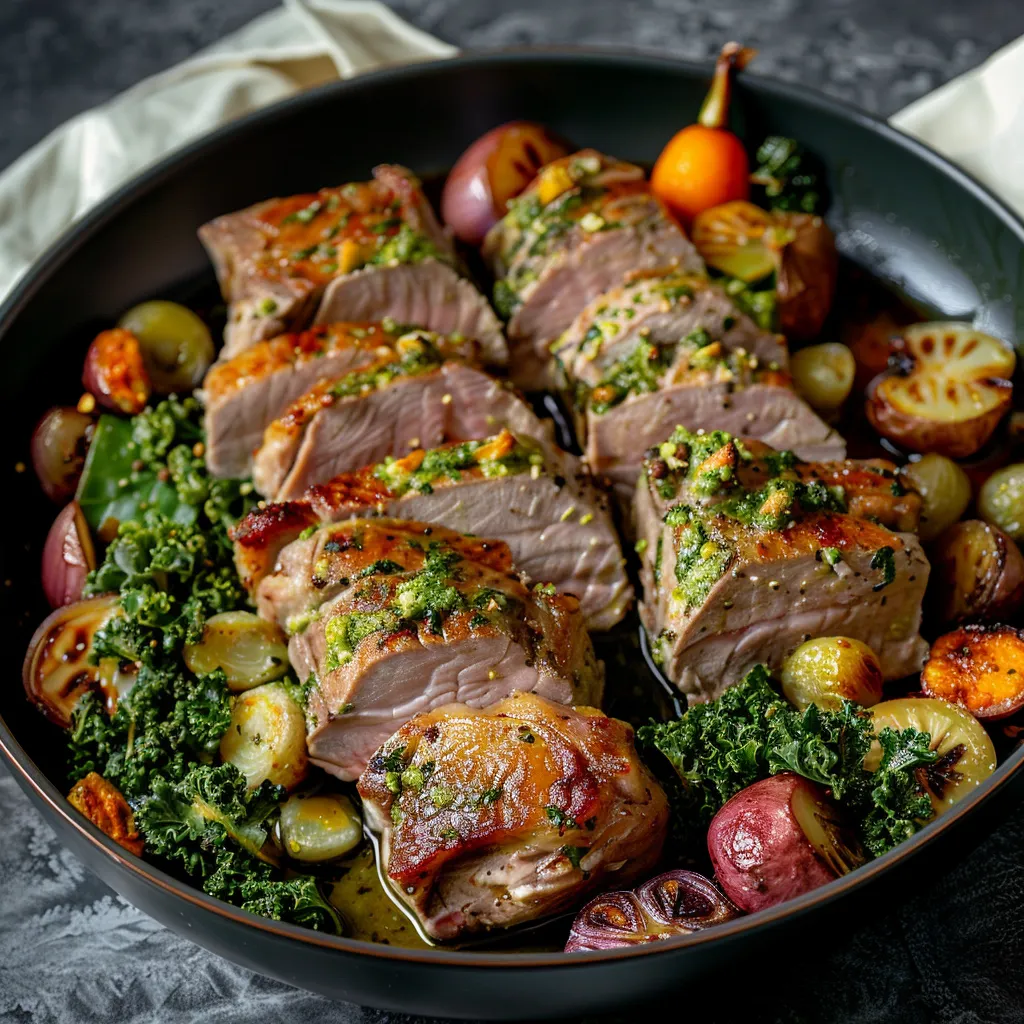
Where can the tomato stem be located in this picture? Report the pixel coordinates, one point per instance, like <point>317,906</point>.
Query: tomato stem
<point>715,110</point>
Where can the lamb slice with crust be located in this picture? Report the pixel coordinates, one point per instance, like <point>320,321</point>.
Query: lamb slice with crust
<point>244,395</point>
<point>490,818</point>
<point>411,398</point>
<point>583,224</point>
<point>274,260</point>
<point>746,581</point>
<point>662,308</point>
<point>643,400</point>
<point>429,293</point>
<point>541,502</point>
<point>705,467</point>
<point>425,624</point>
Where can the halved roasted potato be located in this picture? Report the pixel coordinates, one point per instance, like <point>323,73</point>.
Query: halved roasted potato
<point>105,806</point>
<point>946,389</point>
<point>966,756</point>
<point>977,573</point>
<point>978,668</point>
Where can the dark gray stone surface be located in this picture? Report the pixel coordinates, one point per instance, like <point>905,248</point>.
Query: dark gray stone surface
<point>951,951</point>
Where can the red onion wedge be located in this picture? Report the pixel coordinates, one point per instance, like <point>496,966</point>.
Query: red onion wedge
<point>56,671</point>
<point>68,556</point>
<point>59,444</point>
<point>674,903</point>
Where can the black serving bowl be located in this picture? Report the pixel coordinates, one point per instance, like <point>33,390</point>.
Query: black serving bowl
<point>898,210</point>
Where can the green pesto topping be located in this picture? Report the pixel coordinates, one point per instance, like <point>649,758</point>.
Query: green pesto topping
<point>429,596</point>
<point>638,373</point>
<point>831,556</point>
<point>684,456</point>
<point>885,560</point>
<point>449,462</point>
<point>405,246</point>
<point>779,501</point>
<point>418,355</point>
<point>700,561</point>
<point>760,306</point>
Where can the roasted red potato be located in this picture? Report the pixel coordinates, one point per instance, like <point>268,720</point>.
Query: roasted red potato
<point>978,668</point>
<point>946,389</point>
<point>102,803</point>
<point>977,573</point>
<point>777,839</point>
<point>116,373</point>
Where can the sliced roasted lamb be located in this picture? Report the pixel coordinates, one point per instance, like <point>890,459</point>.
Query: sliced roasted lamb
<point>415,617</point>
<point>669,349</point>
<point>244,395</point>
<point>705,467</point>
<point>491,818</point>
<point>745,581</point>
<point>539,501</point>
<point>581,226</point>
<point>274,261</point>
<point>412,397</point>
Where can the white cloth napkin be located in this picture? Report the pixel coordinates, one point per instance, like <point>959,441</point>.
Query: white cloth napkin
<point>977,119</point>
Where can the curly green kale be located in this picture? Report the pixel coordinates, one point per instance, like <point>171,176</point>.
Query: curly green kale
<point>211,825</point>
<point>791,178</point>
<point>750,733</point>
<point>167,720</point>
<point>171,578</point>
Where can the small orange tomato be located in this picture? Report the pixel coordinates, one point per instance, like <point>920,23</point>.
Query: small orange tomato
<point>705,164</point>
<point>115,373</point>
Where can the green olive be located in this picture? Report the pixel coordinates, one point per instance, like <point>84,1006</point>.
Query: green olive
<point>317,828</point>
<point>176,345</point>
<point>828,669</point>
<point>945,491</point>
<point>249,649</point>
<point>823,374</point>
<point>1001,500</point>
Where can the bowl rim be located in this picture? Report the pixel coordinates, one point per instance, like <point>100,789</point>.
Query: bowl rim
<point>32,778</point>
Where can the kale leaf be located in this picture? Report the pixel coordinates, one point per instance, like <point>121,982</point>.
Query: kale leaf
<point>791,178</point>
<point>749,733</point>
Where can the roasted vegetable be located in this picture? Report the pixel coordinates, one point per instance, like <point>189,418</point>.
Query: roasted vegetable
<point>115,373</point>
<point>977,573</point>
<point>216,829</point>
<point>674,903</point>
<point>57,671</point>
<point>705,164</point>
<point>963,753</point>
<point>175,345</point>
<point>1001,500</point>
<point>154,461</point>
<point>749,733</point>
<point>828,670</point>
<point>945,491</point>
<point>777,839</point>
<point>946,389</point>
<point>59,443</point>
<point>320,827</point>
<point>266,737</point>
<point>789,177</point>
<point>103,804</point>
<point>495,169</point>
<point>978,668</point>
<point>249,650</point>
<point>823,375</point>
<point>748,243</point>
<point>68,556</point>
